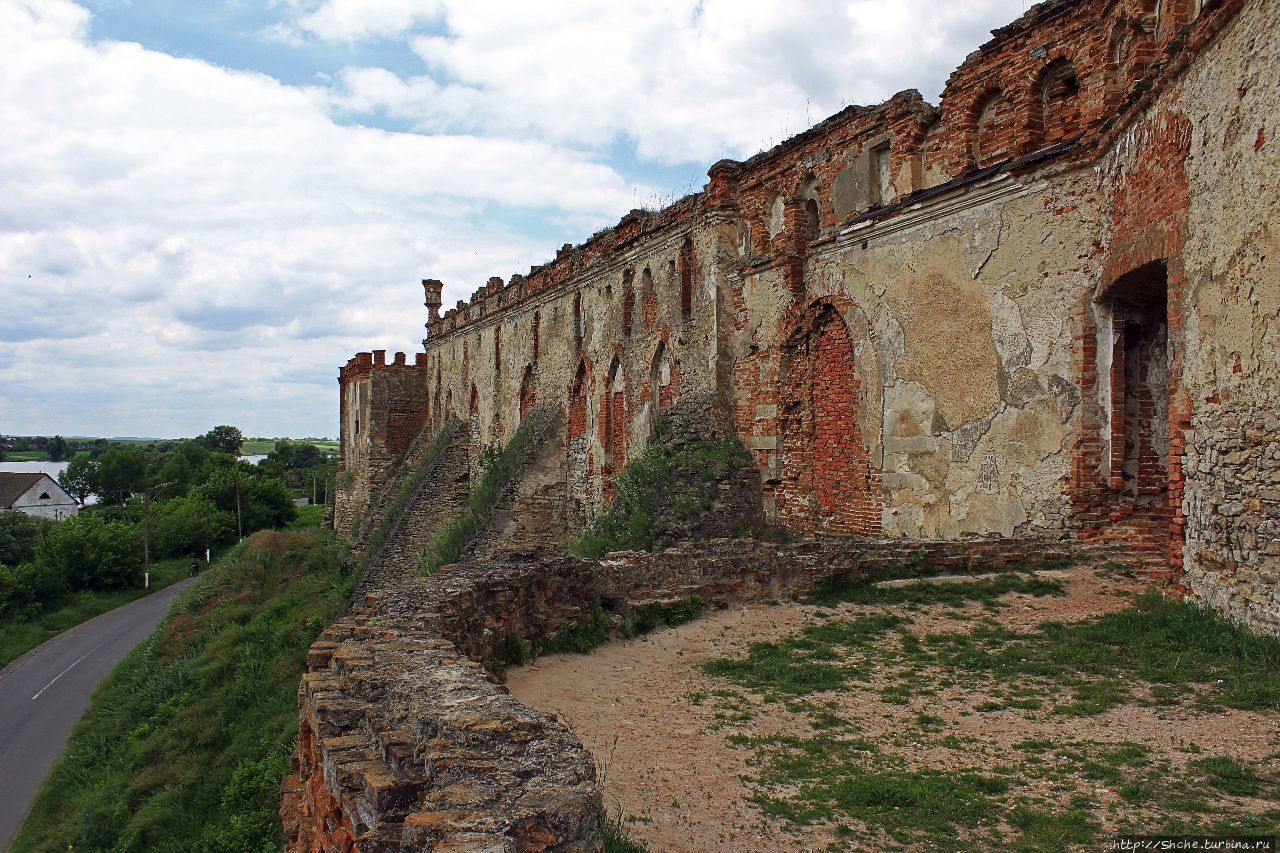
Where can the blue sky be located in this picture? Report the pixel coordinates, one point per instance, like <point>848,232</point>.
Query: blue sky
<point>206,208</point>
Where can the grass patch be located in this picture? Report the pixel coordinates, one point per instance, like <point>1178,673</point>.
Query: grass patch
<point>648,492</point>
<point>807,662</point>
<point>186,744</point>
<point>498,468</point>
<point>617,839</point>
<point>26,456</point>
<point>1158,641</point>
<point>646,618</point>
<point>18,638</point>
<point>309,516</point>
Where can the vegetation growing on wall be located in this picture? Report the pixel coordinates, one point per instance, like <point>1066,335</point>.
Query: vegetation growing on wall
<point>186,744</point>
<point>408,487</point>
<point>498,467</point>
<point>650,494</point>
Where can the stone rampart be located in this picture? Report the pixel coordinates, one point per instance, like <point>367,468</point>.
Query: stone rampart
<point>408,742</point>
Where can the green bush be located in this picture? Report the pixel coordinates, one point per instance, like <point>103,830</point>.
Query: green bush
<point>19,535</point>
<point>90,553</point>
<point>649,490</point>
<point>184,525</point>
<point>26,590</point>
<point>265,502</point>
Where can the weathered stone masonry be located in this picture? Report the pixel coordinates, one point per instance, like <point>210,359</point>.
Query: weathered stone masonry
<point>1044,314</point>
<point>1011,314</point>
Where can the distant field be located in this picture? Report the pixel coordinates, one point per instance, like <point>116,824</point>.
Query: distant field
<point>26,456</point>
<point>263,446</point>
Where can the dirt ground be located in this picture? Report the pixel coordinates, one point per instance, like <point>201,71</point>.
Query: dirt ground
<point>673,743</point>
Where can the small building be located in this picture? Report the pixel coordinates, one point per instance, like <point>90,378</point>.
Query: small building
<point>36,494</point>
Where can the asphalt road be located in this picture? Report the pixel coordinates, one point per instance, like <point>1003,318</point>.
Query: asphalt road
<point>44,693</point>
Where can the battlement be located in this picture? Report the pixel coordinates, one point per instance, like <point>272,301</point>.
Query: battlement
<point>1049,83</point>
<point>362,365</point>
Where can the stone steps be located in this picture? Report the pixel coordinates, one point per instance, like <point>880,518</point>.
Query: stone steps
<point>442,494</point>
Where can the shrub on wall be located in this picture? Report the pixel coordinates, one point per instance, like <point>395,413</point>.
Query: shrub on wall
<point>497,469</point>
<point>649,493</point>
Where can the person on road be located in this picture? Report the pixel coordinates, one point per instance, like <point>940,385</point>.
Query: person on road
<point>195,567</point>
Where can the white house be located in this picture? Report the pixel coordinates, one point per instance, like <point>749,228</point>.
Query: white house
<point>36,494</point>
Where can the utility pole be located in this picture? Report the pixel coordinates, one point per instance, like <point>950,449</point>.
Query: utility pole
<point>239,525</point>
<point>147,494</point>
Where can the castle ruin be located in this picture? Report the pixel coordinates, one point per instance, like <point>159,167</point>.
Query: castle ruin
<point>1042,313</point>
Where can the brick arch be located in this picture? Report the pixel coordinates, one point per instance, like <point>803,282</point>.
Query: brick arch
<point>614,427</point>
<point>1052,108</point>
<point>992,123</point>
<point>579,439</point>
<point>828,480</point>
<point>664,380</point>
<point>528,392</point>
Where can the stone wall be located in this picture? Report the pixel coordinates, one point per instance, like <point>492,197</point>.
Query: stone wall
<point>1007,315</point>
<point>383,408</point>
<point>407,741</point>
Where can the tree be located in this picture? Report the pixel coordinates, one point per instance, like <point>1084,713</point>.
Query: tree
<point>176,471</point>
<point>180,526</point>
<point>226,439</point>
<point>19,535</point>
<point>265,501</point>
<point>57,448</point>
<point>120,474</point>
<point>80,477</point>
<point>91,553</point>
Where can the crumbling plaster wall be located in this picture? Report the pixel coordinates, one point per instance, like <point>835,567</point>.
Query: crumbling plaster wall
<point>1230,345</point>
<point>963,328</point>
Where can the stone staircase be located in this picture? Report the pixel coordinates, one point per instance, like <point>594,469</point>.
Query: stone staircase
<point>532,508</point>
<point>399,471</point>
<point>441,494</point>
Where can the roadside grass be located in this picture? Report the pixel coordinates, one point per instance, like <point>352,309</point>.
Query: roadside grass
<point>186,744</point>
<point>1155,652</point>
<point>18,638</point>
<point>309,516</point>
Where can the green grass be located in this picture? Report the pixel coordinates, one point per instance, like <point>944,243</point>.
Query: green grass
<point>648,490</point>
<point>834,777</point>
<point>26,456</point>
<point>807,662</point>
<point>618,840</point>
<point>311,515</point>
<point>257,446</point>
<point>186,744</point>
<point>17,638</point>
<point>498,467</point>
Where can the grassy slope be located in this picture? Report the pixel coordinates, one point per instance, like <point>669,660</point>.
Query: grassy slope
<point>186,744</point>
<point>17,638</point>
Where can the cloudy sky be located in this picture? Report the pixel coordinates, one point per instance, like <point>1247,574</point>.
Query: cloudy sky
<point>207,207</point>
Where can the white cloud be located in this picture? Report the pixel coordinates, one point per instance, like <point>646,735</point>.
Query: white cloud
<point>352,20</point>
<point>176,237</point>
<point>687,80</point>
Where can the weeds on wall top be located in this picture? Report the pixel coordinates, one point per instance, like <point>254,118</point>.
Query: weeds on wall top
<point>408,487</point>
<point>649,492</point>
<point>498,467</point>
